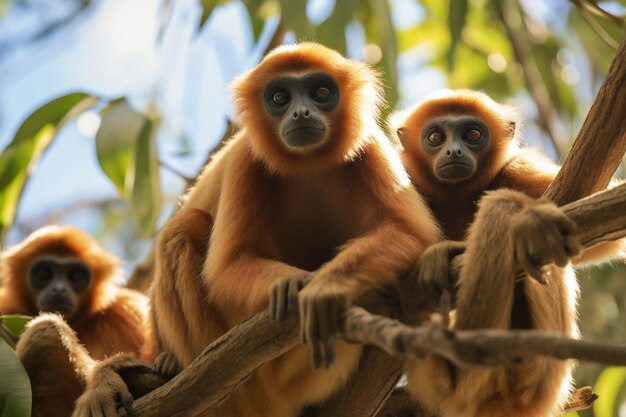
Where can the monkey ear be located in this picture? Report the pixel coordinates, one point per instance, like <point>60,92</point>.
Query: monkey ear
<point>401,132</point>
<point>512,127</point>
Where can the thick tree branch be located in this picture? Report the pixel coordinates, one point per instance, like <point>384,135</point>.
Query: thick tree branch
<point>601,142</point>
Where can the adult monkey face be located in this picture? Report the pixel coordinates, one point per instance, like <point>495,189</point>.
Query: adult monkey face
<point>455,144</point>
<point>59,284</point>
<point>301,103</point>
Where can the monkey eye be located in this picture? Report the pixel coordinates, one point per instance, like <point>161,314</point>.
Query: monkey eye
<point>473,135</point>
<point>280,98</point>
<point>435,137</point>
<point>76,275</point>
<point>42,272</point>
<point>321,93</point>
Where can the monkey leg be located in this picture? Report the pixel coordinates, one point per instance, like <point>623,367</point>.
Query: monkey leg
<point>57,365</point>
<point>510,231</point>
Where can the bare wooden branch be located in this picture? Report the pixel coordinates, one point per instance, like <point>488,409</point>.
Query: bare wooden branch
<point>601,142</point>
<point>601,217</point>
<point>223,366</point>
<point>466,348</point>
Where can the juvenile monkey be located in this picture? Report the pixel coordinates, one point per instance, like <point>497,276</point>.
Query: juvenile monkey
<point>511,230</point>
<point>458,144</point>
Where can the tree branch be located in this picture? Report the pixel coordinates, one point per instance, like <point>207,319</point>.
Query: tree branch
<point>466,348</point>
<point>511,16</point>
<point>601,142</point>
<point>247,346</point>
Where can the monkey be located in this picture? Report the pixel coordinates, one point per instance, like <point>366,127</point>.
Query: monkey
<point>511,230</point>
<point>458,144</point>
<point>64,273</point>
<point>308,191</point>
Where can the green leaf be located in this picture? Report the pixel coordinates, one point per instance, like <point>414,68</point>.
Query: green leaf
<point>20,157</point>
<point>259,11</point>
<point>332,32</point>
<point>146,191</point>
<point>207,9</point>
<point>14,384</point>
<point>15,323</point>
<point>3,403</point>
<point>609,385</point>
<point>116,140</point>
<point>293,13</point>
<point>456,23</point>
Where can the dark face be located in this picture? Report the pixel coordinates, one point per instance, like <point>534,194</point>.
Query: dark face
<point>301,105</point>
<point>59,284</point>
<point>454,143</point>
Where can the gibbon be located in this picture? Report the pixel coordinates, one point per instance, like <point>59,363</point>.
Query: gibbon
<point>64,271</point>
<point>309,191</point>
<point>511,230</point>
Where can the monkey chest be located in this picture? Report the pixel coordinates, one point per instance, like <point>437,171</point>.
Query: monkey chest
<point>310,221</point>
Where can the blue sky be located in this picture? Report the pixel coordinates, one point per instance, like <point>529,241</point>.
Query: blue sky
<point>113,51</point>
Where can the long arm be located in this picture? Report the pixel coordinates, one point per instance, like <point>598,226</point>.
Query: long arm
<point>377,258</point>
<point>531,172</point>
<point>510,230</point>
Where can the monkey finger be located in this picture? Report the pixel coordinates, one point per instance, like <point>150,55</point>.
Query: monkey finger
<point>292,294</point>
<point>573,246</point>
<point>279,300</point>
<point>316,355</point>
<point>303,320</point>
<point>329,353</point>
<point>272,307</point>
<point>167,365</point>
<point>312,325</point>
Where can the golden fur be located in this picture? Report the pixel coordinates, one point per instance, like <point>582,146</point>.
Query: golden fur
<point>59,355</point>
<point>344,213</point>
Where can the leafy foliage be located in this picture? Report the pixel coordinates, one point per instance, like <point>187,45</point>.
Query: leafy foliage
<point>15,391</point>
<point>30,142</point>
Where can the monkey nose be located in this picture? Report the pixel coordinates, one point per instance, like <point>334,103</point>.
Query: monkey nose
<point>304,113</point>
<point>457,152</point>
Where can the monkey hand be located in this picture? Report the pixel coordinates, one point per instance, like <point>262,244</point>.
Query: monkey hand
<point>542,235</point>
<point>437,271</point>
<point>322,304</point>
<point>167,365</point>
<point>284,297</point>
<point>103,397</point>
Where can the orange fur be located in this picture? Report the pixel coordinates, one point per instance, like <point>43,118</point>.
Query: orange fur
<point>503,164</point>
<point>109,320</point>
<point>490,296</point>
<point>487,296</point>
<point>344,212</point>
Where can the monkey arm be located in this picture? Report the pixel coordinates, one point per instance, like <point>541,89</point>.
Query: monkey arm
<point>373,260</point>
<point>510,230</point>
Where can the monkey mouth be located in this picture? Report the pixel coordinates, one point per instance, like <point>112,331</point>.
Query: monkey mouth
<point>455,171</point>
<point>306,130</point>
<point>63,308</point>
<point>304,135</point>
